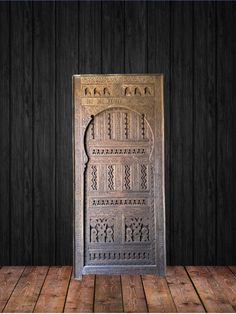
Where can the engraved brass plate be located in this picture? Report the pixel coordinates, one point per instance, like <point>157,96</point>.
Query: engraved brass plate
<point>119,224</point>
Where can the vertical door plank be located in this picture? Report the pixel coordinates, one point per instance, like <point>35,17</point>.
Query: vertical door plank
<point>204,134</point>
<point>182,291</point>
<point>66,66</point>
<point>21,133</point>
<point>26,292</point>
<point>53,294</point>
<point>4,135</point>
<point>108,296</point>
<point>227,282</point>
<point>158,61</point>
<point>226,133</point>
<point>112,37</point>
<point>181,106</point>
<point>159,299</point>
<point>80,295</point>
<point>211,293</point>
<point>44,133</point>
<point>9,277</point>
<point>89,37</point>
<point>135,37</point>
<point>133,294</point>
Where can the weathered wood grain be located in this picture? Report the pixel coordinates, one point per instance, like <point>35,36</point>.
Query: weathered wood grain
<point>21,133</point>
<point>227,282</point>
<point>108,296</point>
<point>210,291</point>
<point>181,107</point>
<point>80,295</point>
<point>5,135</point>
<point>9,277</point>
<point>204,122</point>
<point>44,133</point>
<point>159,299</point>
<point>53,294</point>
<point>183,293</point>
<point>133,294</point>
<point>27,290</point>
<point>66,65</point>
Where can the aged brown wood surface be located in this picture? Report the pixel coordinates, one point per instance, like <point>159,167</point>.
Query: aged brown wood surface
<point>80,295</point>
<point>9,277</point>
<point>54,291</point>
<point>211,291</point>
<point>158,295</point>
<point>108,297</point>
<point>182,290</point>
<point>119,174</point>
<point>190,289</point>
<point>27,290</point>
<point>133,294</point>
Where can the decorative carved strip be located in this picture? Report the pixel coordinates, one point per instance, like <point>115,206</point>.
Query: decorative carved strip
<point>127,177</point>
<point>136,229</point>
<point>94,177</point>
<point>110,177</point>
<point>118,256</point>
<point>118,151</point>
<point>109,125</point>
<point>102,230</point>
<point>143,177</point>
<point>143,126</point>
<point>126,125</point>
<point>92,130</point>
<point>119,201</point>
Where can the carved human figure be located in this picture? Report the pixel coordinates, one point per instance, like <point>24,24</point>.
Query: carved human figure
<point>109,235</point>
<point>144,234</point>
<point>93,235</point>
<point>128,234</point>
<point>147,91</point>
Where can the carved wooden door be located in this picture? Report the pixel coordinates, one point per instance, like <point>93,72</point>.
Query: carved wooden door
<point>119,184</point>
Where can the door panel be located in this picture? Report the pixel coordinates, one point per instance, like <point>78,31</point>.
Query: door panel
<point>119,183</point>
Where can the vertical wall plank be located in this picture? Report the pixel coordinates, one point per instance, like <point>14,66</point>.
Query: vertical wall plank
<point>90,37</point>
<point>112,37</point>
<point>226,133</point>
<point>21,133</point>
<point>158,56</point>
<point>135,37</point>
<point>4,135</point>
<point>181,107</point>
<point>44,133</point>
<point>66,66</point>
<point>204,133</point>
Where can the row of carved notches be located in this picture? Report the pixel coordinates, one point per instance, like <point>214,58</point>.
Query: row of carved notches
<point>118,255</point>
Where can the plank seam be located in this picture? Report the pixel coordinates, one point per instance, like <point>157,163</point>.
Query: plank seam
<point>13,289</point>
<point>40,289</point>
<point>141,277</point>
<point>66,294</point>
<point>195,288</point>
<point>175,305</point>
<point>94,291</point>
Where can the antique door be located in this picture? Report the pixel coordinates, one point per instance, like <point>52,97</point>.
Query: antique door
<point>118,174</point>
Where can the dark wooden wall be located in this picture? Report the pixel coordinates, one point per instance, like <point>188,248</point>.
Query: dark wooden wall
<point>43,44</point>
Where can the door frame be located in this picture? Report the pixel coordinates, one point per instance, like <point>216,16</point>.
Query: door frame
<point>86,104</point>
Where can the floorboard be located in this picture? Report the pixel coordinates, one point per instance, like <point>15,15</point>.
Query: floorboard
<point>184,295</point>
<point>133,294</point>
<point>158,294</point>
<point>9,277</point>
<point>211,292</point>
<point>53,289</point>
<point>27,290</point>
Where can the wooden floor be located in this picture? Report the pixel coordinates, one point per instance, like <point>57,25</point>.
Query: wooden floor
<point>184,289</point>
